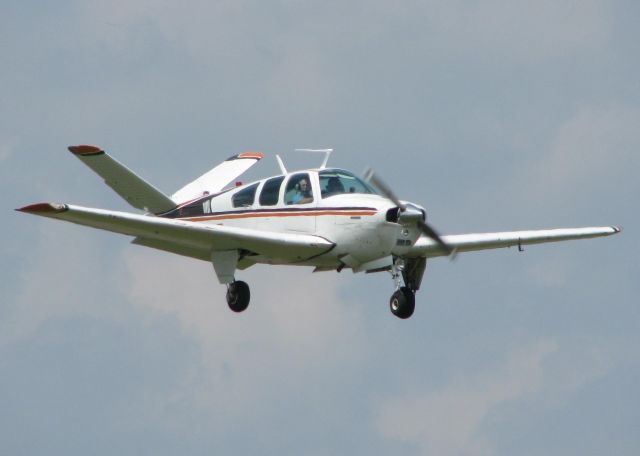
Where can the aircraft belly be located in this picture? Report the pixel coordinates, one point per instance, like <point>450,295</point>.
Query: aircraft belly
<point>260,253</point>
<point>324,260</point>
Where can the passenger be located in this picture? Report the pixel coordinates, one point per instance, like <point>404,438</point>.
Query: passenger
<point>334,186</point>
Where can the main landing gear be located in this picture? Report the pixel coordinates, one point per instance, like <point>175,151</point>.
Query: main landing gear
<point>225,263</point>
<point>238,295</point>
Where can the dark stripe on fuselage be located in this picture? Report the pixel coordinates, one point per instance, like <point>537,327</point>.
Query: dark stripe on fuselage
<point>283,212</point>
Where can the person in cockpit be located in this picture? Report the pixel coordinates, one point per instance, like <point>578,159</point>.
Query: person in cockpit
<point>303,194</point>
<point>334,186</point>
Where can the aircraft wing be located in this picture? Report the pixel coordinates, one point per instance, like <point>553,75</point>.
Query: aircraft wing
<point>187,238</point>
<point>427,247</point>
<point>135,190</point>
<point>215,180</point>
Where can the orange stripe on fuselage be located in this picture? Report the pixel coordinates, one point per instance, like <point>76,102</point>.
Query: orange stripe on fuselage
<point>276,214</point>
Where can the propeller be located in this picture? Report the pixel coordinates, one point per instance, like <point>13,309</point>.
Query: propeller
<point>408,212</point>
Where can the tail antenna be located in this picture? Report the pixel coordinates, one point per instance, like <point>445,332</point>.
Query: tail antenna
<point>327,153</point>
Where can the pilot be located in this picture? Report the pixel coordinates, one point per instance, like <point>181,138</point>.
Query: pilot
<point>303,195</point>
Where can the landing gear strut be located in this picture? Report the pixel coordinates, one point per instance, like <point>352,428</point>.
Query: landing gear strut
<point>403,300</point>
<point>238,295</point>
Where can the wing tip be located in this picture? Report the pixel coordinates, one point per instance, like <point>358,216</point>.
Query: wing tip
<point>85,149</point>
<point>43,208</point>
<point>254,155</point>
<point>617,229</point>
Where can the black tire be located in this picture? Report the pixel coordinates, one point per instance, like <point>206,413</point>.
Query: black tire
<point>402,303</point>
<point>238,296</point>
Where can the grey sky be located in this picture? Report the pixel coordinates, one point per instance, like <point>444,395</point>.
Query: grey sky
<point>494,115</point>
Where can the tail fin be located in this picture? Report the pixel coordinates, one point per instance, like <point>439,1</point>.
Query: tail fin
<point>135,190</point>
<point>216,179</point>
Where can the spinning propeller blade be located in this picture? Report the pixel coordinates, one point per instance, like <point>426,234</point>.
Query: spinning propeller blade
<point>371,177</point>
<point>426,229</point>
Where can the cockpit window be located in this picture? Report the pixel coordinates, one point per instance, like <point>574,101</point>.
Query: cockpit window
<point>335,182</point>
<point>298,190</point>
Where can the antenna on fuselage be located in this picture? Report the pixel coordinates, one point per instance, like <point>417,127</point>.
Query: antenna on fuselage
<point>327,153</point>
<point>281,164</point>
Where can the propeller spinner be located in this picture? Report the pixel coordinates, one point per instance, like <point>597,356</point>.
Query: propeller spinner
<point>407,213</point>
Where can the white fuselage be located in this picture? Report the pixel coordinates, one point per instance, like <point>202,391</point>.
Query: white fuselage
<point>356,222</point>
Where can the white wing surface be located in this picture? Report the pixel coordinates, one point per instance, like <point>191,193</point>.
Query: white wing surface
<point>187,238</point>
<point>216,179</point>
<point>135,190</point>
<point>426,247</point>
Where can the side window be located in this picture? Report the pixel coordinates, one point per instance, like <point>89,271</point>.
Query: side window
<point>270,191</point>
<point>245,197</point>
<point>298,190</point>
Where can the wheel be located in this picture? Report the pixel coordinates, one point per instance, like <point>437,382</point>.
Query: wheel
<point>402,303</point>
<point>238,296</point>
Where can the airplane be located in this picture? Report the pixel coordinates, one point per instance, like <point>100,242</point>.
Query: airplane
<point>326,218</point>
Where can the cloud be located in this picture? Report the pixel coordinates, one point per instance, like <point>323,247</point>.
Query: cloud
<point>229,372</point>
<point>61,279</point>
<point>447,421</point>
<point>295,331</point>
<point>593,151</point>
<point>451,420</point>
<point>595,143</point>
<point>5,152</point>
<point>551,271</point>
<point>521,31</point>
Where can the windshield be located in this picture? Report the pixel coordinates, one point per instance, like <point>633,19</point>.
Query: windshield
<point>335,182</point>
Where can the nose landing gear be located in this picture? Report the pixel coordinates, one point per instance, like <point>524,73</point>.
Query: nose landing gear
<point>238,295</point>
<point>402,303</point>
<point>403,300</point>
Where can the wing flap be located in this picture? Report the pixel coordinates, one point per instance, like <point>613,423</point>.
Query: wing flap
<point>215,180</point>
<point>135,190</point>
<point>426,247</point>
<point>200,253</point>
<point>187,238</point>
